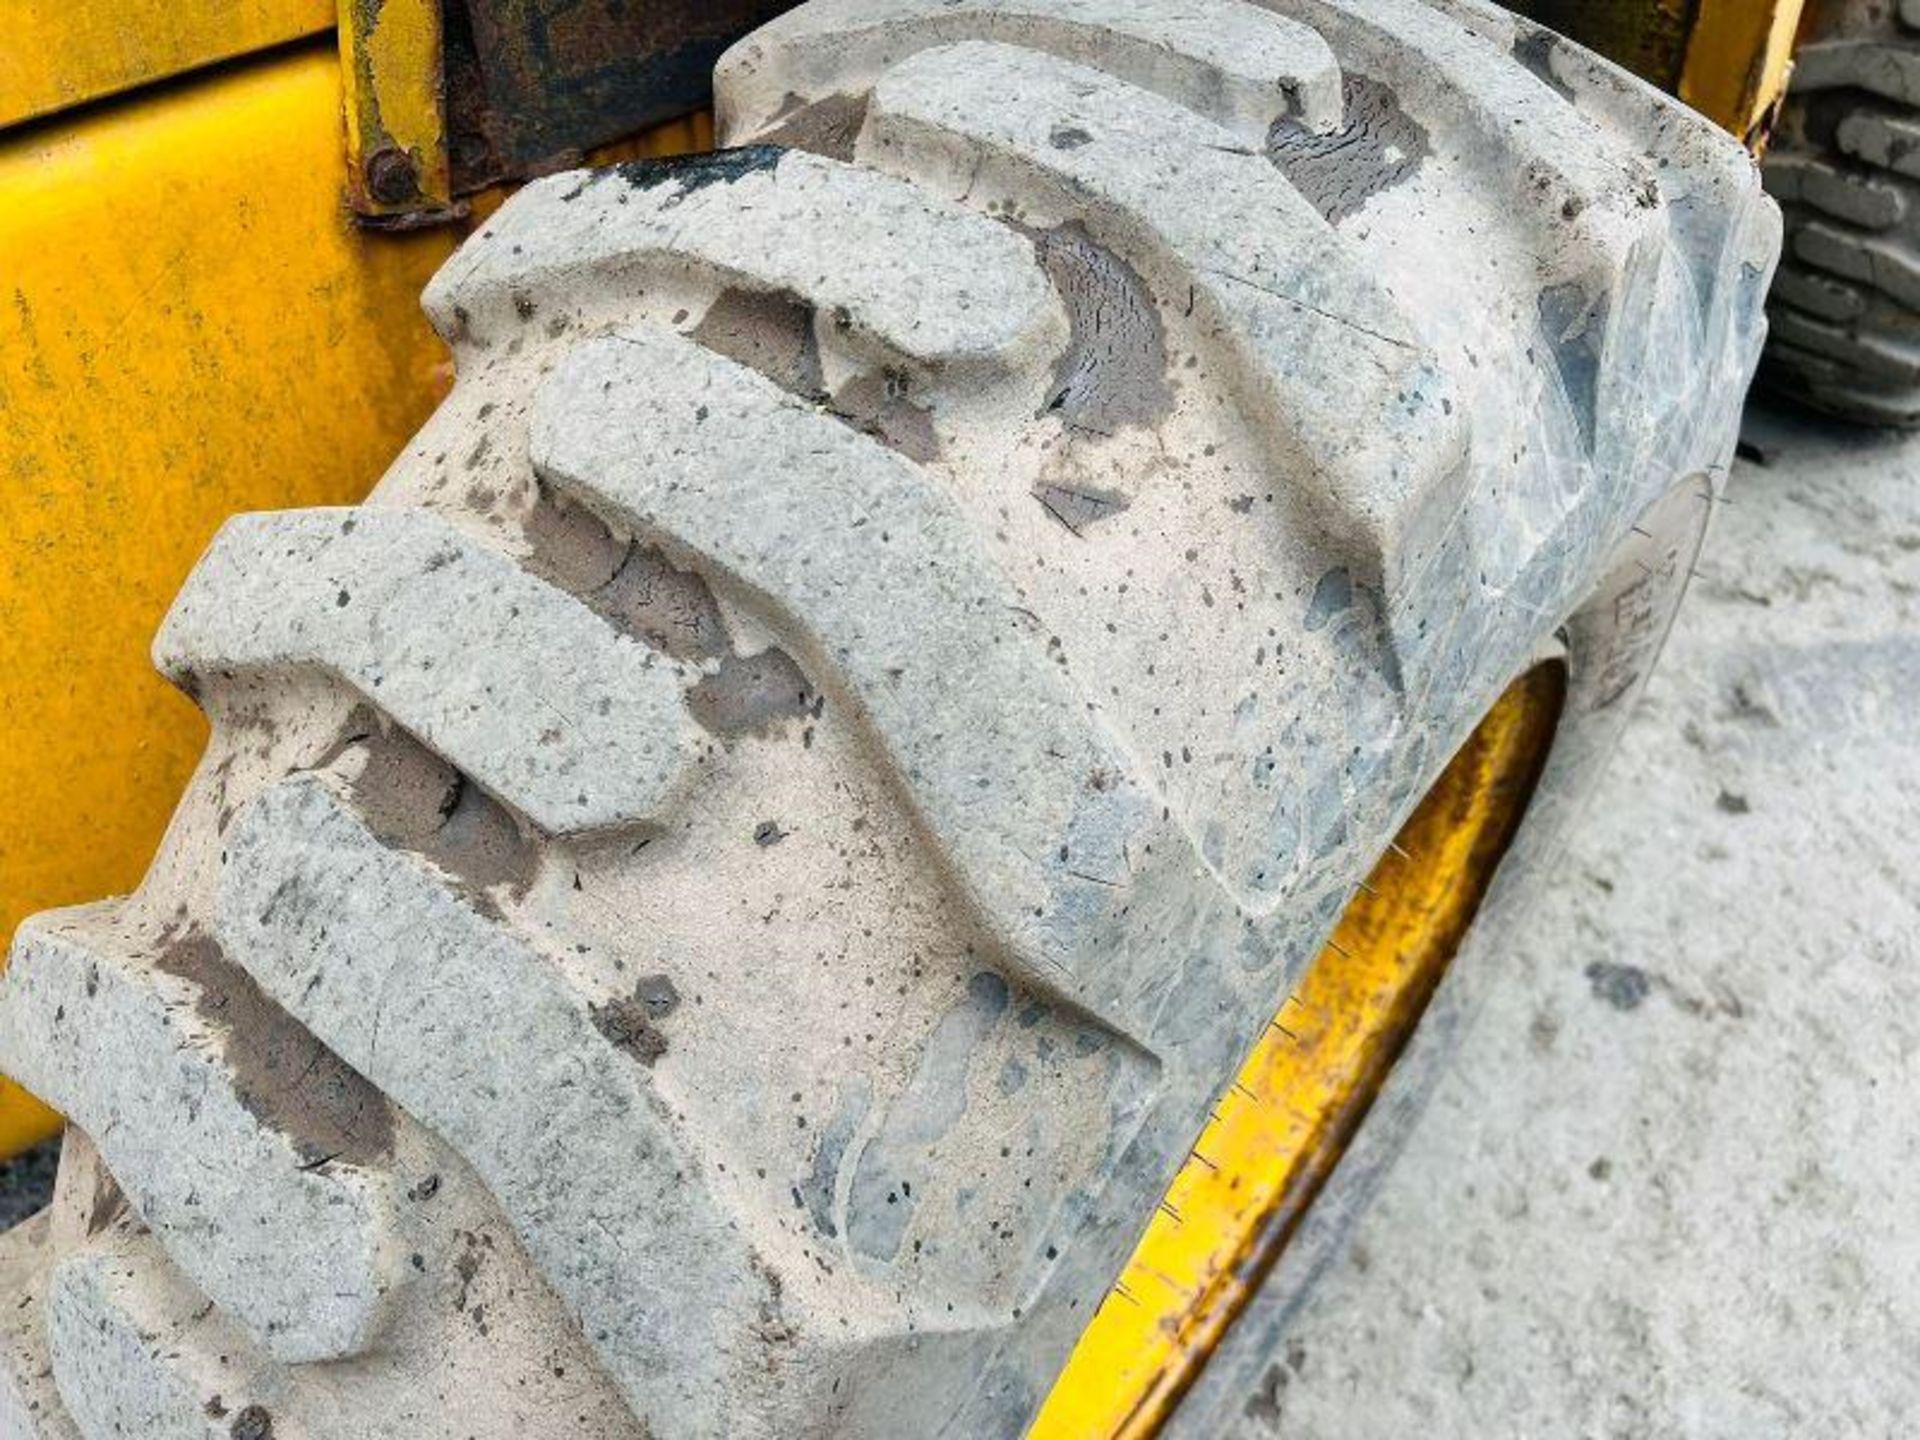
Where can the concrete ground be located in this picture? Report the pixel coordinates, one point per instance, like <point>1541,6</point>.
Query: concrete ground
<point>1672,1187</point>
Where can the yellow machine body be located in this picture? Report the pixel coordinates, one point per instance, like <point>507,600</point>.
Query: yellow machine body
<point>191,326</point>
<point>1736,63</point>
<point>63,53</point>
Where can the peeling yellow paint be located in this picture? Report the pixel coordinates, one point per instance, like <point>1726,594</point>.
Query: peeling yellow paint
<point>404,53</point>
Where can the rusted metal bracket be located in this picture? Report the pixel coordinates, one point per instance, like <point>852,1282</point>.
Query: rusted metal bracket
<point>448,97</point>
<point>393,54</point>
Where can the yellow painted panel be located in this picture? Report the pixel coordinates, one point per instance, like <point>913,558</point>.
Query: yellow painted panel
<point>1275,1134</point>
<point>60,53</point>
<point>1728,59</point>
<point>190,326</point>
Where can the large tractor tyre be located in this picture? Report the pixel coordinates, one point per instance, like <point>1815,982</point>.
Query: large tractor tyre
<point>1845,167</point>
<point>826,841</point>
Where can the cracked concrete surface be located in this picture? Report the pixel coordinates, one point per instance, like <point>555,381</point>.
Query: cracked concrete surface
<point>1669,1187</point>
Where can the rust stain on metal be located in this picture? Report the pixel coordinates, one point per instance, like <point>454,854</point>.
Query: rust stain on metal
<point>536,84</point>
<point>392,56</point>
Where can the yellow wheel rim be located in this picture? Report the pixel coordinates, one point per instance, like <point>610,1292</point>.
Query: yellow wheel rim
<point>1277,1132</point>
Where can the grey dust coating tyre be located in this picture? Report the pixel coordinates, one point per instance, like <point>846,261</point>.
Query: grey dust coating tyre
<point>1845,167</point>
<point>718,898</point>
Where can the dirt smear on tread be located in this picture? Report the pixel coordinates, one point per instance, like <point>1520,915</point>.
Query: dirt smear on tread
<point>413,800</point>
<point>285,1077</point>
<point>828,127</point>
<point>1534,48</point>
<point>879,406</point>
<point>637,590</point>
<point>768,332</point>
<point>880,1201</point>
<point>1113,373</point>
<point>107,1203</point>
<point>632,1022</point>
<point>776,335</point>
<point>1078,506</point>
<point>632,587</point>
<point>751,694</point>
<point>1380,146</point>
<point>1574,325</point>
